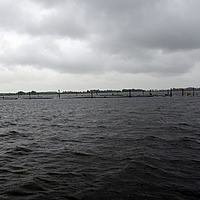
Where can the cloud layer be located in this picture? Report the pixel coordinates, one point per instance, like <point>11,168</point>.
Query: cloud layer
<point>154,38</point>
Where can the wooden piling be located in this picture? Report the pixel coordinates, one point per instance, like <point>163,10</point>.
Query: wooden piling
<point>171,92</point>
<point>182,92</point>
<point>91,93</point>
<point>129,93</point>
<point>193,91</point>
<point>150,93</point>
<point>59,94</point>
<point>29,95</point>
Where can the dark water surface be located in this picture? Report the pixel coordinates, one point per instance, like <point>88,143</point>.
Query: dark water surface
<point>128,148</point>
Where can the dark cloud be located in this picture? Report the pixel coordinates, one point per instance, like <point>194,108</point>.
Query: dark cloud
<point>139,36</point>
<point>153,25</point>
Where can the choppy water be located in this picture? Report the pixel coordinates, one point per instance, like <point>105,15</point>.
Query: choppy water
<point>129,148</point>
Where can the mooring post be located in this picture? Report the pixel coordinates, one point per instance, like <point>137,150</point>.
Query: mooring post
<point>91,93</point>
<point>193,91</point>
<point>171,92</point>
<point>29,95</point>
<point>129,93</point>
<point>150,93</point>
<point>182,92</point>
<point>59,94</point>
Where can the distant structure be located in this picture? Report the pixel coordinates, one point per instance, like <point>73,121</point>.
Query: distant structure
<point>96,93</point>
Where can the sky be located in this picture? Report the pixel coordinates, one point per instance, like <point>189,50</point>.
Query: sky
<point>78,45</point>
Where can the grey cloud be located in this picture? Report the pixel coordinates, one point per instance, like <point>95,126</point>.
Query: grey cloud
<point>156,64</point>
<point>63,22</point>
<point>154,26</point>
<point>31,18</point>
<point>124,36</point>
<point>46,53</point>
<point>151,24</point>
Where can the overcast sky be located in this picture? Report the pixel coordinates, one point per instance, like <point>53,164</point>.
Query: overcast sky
<point>46,45</point>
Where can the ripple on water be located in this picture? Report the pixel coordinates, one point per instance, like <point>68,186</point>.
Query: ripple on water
<point>134,148</point>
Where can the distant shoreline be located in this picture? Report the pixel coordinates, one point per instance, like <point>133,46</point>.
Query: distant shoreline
<point>98,91</point>
<point>125,93</point>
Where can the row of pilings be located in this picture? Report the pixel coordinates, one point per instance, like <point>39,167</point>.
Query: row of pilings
<point>128,93</point>
<point>169,93</point>
<point>183,92</point>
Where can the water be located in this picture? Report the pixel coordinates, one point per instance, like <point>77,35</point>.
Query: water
<point>117,148</point>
